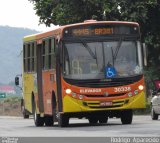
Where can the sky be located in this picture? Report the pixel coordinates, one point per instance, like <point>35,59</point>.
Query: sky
<point>19,13</point>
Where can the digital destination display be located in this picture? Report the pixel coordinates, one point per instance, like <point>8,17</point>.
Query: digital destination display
<point>101,30</point>
<point>95,31</point>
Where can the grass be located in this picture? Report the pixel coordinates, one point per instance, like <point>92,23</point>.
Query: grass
<point>10,106</point>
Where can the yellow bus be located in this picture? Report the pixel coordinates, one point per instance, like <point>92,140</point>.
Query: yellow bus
<point>91,70</point>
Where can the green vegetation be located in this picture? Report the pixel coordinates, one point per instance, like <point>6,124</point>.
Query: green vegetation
<point>11,106</point>
<point>12,99</point>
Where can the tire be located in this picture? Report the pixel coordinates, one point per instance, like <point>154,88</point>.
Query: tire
<point>63,120</point>
<point>49,121</point>
<point>92,120</point>
<point>127,116</point>
<point>154,116</point>
<point>103,120</point>
<point>39,121</point>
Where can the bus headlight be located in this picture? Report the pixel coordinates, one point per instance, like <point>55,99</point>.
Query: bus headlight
<point>140,87</point>
<point>68,91</point>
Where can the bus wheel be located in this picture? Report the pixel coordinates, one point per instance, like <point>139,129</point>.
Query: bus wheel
<point>49,120</point>
<point>127,116</point>
<point>103,120</point>
<point>39,121</point>
<point>92,120</point>
<point>154,116</point>
<point>63,120</point>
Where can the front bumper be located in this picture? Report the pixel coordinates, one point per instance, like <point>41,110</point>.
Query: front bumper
<point>74,105</point>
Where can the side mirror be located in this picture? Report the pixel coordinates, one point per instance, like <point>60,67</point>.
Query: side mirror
<point>144,54</point>
<point>16,81</point>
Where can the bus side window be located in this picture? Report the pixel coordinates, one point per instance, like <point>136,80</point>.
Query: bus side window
<point>29,57</point>
<point>48,54</point>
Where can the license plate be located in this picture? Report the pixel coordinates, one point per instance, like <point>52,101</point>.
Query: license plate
<point>108,103</point>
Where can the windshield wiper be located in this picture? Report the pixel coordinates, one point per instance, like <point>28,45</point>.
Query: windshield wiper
<point>114,54</point>
<point>89,50</point>
<point>117,48</point>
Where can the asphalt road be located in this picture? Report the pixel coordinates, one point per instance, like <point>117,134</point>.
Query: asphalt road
<point>142,126</point>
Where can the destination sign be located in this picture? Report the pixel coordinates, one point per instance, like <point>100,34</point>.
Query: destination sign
<point>96,31</point>
<point>101,30</point>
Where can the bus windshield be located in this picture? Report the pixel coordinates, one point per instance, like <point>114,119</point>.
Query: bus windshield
<point>99,60</point>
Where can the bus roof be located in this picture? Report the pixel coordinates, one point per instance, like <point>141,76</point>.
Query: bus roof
<point>39,35</point>
<point>57,31</point>
<point>102,22</point>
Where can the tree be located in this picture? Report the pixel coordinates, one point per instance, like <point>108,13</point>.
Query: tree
<point>68,11</point>
<point>72,11</point>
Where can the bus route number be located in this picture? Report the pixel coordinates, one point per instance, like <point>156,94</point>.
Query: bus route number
<point>122,89</point>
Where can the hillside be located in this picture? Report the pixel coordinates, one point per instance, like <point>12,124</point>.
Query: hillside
<point>10,49</point>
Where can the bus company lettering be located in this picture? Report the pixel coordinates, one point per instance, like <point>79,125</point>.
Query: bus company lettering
<point>90,90</point>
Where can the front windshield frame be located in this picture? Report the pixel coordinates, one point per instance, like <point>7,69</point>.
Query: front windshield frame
<point>119,41</point>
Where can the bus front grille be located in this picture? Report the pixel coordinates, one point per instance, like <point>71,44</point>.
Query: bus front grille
<point>102,96</point>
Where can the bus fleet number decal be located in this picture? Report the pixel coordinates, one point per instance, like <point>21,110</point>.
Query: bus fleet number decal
<point>122,89</point>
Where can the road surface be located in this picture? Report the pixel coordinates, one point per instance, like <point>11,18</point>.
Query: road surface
<point>142,126</point>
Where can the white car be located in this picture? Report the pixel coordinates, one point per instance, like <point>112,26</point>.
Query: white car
<point>155,105</point>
